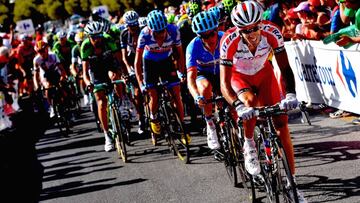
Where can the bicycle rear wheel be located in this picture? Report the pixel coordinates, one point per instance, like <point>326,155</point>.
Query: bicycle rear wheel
<point>177,134</point>
<point>118,135</point>
<point>286,187</point>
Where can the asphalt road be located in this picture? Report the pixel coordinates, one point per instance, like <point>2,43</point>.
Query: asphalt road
<point>77,169</point>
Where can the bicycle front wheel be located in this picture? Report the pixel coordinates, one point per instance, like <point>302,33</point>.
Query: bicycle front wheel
<point>177,135</point>
<point>286,187</point>
<point>246,179</point>
<point>118,135</point>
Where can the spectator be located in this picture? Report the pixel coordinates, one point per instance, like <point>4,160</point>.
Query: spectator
<point>290,22</point>
<point>336,22</point>
<point>307,29</point>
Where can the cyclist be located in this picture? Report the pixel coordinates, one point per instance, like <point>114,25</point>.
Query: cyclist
<point>154,51</point>
<point>247,78</point>
<point>62,48</point>
<point>48,71</point>
<point>25,56</point>
<point>202,62</point>
<point>98,56</point>
<point>129,39</point>
<point>76,65</point>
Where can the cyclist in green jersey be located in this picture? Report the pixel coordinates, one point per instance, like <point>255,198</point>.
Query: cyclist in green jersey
<point>99,56</point>
<point>62,48</point>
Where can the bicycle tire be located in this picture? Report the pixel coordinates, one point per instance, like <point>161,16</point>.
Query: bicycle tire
<point>246,179</point>
<point>229,155</point>
<point>176,131</point>
<point>284,178</point>
<point>118,135</point>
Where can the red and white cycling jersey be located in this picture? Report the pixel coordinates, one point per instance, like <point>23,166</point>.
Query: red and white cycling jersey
<point>234,52</point>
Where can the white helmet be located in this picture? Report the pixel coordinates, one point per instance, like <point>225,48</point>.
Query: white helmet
<point>246,13</point>
<point>93,28</point>
<point>131,18</point>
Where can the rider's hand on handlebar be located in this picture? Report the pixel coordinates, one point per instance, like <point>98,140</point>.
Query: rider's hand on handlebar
<point>244,112</point>
<point>290,102</point>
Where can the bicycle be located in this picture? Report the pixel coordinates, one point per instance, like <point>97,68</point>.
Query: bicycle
<point>118,129</point>
<point>61,109</point>
<point>232,139</point>
<point>275,176</point>
<point>172,126</point>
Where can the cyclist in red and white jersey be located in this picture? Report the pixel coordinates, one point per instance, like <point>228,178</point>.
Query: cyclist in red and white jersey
<point>247,77</point>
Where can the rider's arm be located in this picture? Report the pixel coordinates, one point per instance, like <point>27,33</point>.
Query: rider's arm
<point>86,77</point>
<point>191,81</point>
<point>123,46</point>
<point>137,64</point>
<point>124,58</point>
<point>226,65</point>
<point>225,84</point>
<point>62,71</point>
<point>36,77</point>
<point>74,61</point>
<point>286,71</point>
<point>181,59</point>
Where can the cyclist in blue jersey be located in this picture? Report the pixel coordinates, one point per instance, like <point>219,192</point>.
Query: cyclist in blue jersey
<point>155,48</point>
<point>202,63</point>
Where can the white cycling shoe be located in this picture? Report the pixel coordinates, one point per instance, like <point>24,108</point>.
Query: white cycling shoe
<point>252,164</point>
<point>109,146</point>
<point>212,139</point>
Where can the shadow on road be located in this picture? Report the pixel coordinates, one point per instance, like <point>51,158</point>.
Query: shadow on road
<point>333,189</point>
<point>328,152</point>
<point>81,187</point>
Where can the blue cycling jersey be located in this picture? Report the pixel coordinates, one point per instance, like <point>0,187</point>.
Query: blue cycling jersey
<point>153,51</point>
<point>198,56</point>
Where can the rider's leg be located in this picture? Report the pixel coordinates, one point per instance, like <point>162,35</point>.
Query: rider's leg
<point>101,101</point>
<point>178,101</point>
<point>205,90</point>
<point>281,125</point>
<point>153,103</point>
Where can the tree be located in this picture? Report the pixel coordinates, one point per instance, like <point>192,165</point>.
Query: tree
<point>54,9</point>
<point>3,11</point>
<point>23,9</point>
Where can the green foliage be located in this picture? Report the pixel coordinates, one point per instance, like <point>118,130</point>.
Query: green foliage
<point>111,4</point>
<point>22,9</point>
<point>54,9</point>
<point>3,11</point>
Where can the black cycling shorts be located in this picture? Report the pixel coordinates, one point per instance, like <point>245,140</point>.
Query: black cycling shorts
<point>165,70</point>
<point>212,78</point>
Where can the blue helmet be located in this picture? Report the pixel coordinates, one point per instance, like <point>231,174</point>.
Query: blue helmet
<point>156,20</point>
<point>204,21</point>
<point>216,12</point>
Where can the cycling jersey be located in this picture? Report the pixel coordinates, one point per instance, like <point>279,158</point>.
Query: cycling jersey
<point>198,56</point>
<point>128,42</point>
<point>102,63</point>
<point>155,52</point>
<point>27,55</point>
<point>75,56</point>
<point>48,68</point>
<point>63,52</point>
<point>235,53</point>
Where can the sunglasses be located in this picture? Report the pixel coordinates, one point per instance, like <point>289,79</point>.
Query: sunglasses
<point>249,31</point>
<point>208,35</point>
<point>97,36</point>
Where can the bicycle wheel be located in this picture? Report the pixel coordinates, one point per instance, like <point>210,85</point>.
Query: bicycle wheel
<point>118,134</point>
<point>246,179</point>
<point>286,187</point>
<point>177,134</point>
<point>266,180</point>
<point>229,154</point>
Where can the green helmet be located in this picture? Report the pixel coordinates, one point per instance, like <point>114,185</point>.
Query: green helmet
<point>229,5</point>
<point>194,8</point>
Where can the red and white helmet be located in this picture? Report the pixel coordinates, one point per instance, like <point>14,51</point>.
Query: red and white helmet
<point>40,45</point>
<point>246,13</point>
